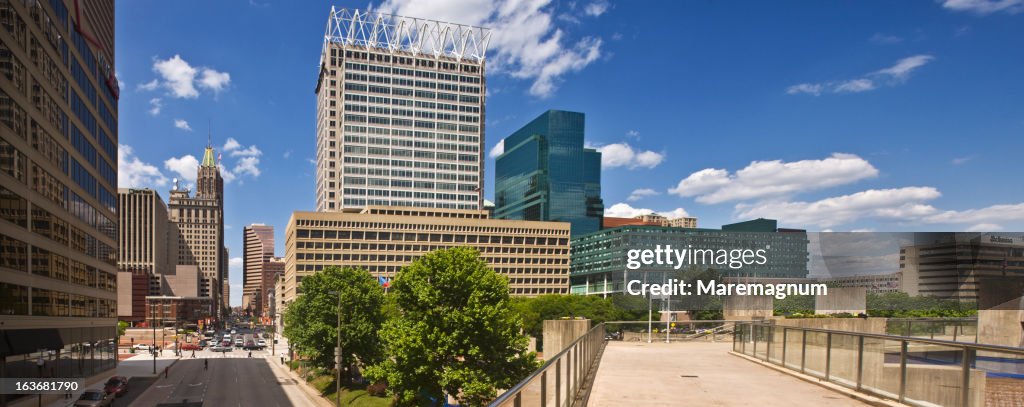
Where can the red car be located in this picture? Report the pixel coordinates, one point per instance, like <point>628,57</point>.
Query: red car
<point>117,385</point>
<point>190,346</point>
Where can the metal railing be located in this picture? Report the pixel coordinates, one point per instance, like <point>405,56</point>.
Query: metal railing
<point>914,371</point>
<point>560,380</point>
<point>674,331</point>
<point>954,329</point>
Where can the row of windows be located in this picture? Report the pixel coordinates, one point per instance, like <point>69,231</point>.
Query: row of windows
<point>402,60</point>
<point>53,303</point>
<point>411,72</point>
<point>419,134</point>
<point>399,173</point>
<point>430,237</point>
<point>17,254</point>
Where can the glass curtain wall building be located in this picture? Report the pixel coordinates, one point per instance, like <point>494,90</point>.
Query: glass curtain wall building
<point>58,189</point>
<point>546,174</point>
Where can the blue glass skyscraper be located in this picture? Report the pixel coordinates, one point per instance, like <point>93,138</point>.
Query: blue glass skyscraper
<point>546,174</point>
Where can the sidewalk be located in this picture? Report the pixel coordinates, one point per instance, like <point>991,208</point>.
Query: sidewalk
<point>309,391</point>
<point>140,365</point>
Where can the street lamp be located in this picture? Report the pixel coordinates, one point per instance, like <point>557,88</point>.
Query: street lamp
<point>338,364</point>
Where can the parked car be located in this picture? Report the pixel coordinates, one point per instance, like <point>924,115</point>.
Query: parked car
<point>238,342</point>
<point>94,398</point>
<point>190,346</point>
<point>221,348</point>
<point>262,343</point>
<point>142,346</point>
<point>117,385</point>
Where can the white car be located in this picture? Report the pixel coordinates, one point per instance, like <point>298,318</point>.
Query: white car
<point>262,343</point>
<point>141,346</point>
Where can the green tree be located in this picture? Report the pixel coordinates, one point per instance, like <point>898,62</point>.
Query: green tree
<point>311,322</point>
<point>122,326</point>
<point>457,333</point>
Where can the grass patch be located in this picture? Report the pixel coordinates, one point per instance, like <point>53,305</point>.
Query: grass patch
<point>350,396</point>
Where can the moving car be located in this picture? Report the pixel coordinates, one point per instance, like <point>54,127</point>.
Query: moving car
<point>142,346</point>
<point>238,341</point>
<point>117,385</point>
<point>94,398</point>
<point>221,348</point>
<point>262,343</point>
<point>190,346</point>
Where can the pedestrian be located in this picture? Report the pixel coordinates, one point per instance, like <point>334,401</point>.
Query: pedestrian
<point>193,353</point>
<point>206,364</point>
<point>282,360</point>
<point>250,354</point>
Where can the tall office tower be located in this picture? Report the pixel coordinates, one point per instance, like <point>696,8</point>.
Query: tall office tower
<point>259,248</point>
<point>271,270</point>
<point>142,241</point>
<point>400,113</point>
<point>545,173</point>
<point>58,182</point>
<point>200,225</point>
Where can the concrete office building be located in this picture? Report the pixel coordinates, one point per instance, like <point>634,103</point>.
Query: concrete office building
<point>545,173</point>
<point>649,220</point>
<point>599,259</point>
<point>58,183</point>
<point>199,222</point>
<point>533,255</point>
<point>142,247</point>
<point>874,283</point>
<point>953,265</point>
<point>259,248</point>
<point>400,113</point>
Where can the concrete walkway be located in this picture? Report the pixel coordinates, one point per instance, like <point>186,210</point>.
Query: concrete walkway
<point>697,373</point>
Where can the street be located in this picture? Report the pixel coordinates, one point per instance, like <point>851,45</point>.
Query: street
<point>233,379</point>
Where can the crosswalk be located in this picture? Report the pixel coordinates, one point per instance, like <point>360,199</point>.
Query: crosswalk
<point>235,353</point>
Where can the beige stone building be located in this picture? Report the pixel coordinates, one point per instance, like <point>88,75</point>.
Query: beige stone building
<point>142,247</point>
<point>533,255</point>
<point>199,223</point>
<point>259,248</point>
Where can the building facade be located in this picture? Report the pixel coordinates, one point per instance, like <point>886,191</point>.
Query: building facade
<point>400,113</point>
<point>58,183</point>
<point>199,223</point>
<point>545,173</point>
<point>874,283</point>
<point>272,268</point>
<point>259,248</point>
<point>143,236</point>
<point>953,265</point>
<point>649,220</point>
<point>599,259</point>
<point>533,255</point>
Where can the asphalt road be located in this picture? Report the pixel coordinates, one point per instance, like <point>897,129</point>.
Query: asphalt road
<point>232,379</point>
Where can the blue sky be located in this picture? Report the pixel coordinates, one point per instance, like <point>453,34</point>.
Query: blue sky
<point>868,115</point>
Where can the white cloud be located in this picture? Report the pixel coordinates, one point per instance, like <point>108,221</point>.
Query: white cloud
<point>133,173</point>
<point>526,42</point>
<point>983,7</point>
<point>179,78</point>
<point>633,133</point>
<point>287,154</point>
<point>892,204</point>
<point>231,144</point>
<point>891,76</point>
<point>148,86</point>
<point>809,88</point>
<point>641,193</point>
<point>186,166</point>
<point>984,227</point>
<point>963,160</point>
<point>247,166</point>
<point>251,151</point>
<point>226,175</point>
<point>235,262</point>
<point>622,155</point>
<point>596,8</point>
<point>855,86</point>
<point>213,80</point>
<point>902,69</point>
<point>761,179</point>
<point>155,104</point>
<point>182,124</point>
<point>886,39</point>
<point>994,214</point>
<point>498,149</point>
<point>624,210</point>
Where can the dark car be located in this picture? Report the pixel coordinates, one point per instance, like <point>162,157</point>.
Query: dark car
<point>94,398</point>
<point>117,385</point>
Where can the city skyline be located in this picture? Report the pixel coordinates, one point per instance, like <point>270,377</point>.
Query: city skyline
<point>863,103</point>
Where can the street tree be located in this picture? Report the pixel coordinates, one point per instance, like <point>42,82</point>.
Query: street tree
<point>456,333</point>
<point>311,321</point>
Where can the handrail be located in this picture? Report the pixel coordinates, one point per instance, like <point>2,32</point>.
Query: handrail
<point>978,346</point>
<point>518,388</point>
<point>792,350</point>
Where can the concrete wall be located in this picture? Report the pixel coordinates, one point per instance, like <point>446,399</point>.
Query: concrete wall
<point>747,307</point>
<point>559,333</point>
<point>851,300</point>
<point>1001,327</point>
<point>184,282</point>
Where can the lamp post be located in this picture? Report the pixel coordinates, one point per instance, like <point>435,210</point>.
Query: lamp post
<point>340,358</point>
